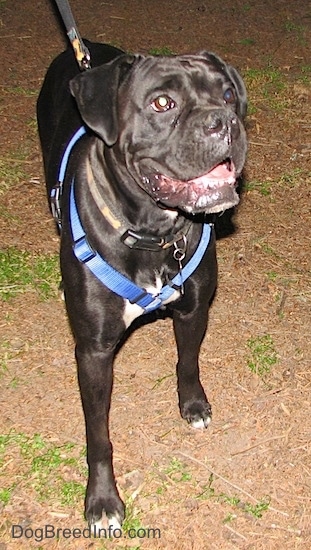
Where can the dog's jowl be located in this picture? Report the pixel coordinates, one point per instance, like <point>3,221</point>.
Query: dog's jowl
<point>137,151</point>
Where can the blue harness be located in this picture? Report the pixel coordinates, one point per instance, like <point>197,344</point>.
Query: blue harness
<point>103,271</point>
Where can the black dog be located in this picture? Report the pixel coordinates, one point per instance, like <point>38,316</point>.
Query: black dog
<point>145,148</point>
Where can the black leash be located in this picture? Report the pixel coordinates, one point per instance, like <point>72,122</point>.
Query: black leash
<point>82,53</point>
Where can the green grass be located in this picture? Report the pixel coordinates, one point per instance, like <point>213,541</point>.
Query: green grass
<point>159,381</point>
<point>5,495</point>
<point>267,86</point>
<point>233,505</point>
<point>305,74</point>
<point>21,91</point>
<point>40,468</point>
<point>247,41</point>
<point>256,509</point>
<point>262,187</point>
<point>22,272</point>
<point>164,50</point>
<point>229,518</point>
<point>132,521</point>
<point>297,29</point>
<point>262,354</point>
<point>50,458</point>
<point>15,163</point>
<point>176,471</point>
<point>272,276</point>
<point>71,491</point>
<point>11,173</point>
<point>5,356</point>
<point>288,180</point>
<point>208,490</point>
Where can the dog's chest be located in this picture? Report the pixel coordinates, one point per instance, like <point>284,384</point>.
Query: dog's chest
<point>132,311</point>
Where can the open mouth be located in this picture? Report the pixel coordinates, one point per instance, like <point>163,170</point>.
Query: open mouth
<point>212,192</point>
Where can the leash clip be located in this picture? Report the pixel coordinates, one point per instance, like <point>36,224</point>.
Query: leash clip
<point>82,53</point>
<point>180,251</point>
<point>55,203</point>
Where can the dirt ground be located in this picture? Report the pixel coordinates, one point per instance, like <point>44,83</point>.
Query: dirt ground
<point>245,482</point>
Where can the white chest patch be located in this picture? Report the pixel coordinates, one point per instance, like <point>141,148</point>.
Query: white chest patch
<point>132,311</point>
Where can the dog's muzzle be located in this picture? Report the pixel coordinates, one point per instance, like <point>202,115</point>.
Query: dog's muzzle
<point>212,192</point>
<point>213,144</point>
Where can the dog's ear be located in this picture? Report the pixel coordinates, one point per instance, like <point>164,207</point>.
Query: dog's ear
<point>96,92</point>
<point>235,78</point>
<point>239,85</point>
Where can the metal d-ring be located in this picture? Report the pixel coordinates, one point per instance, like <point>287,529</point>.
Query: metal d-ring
<point>179,255</point>
<point>180,250</point>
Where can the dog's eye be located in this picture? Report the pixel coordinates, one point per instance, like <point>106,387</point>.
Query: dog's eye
<point>229,96</point>
<point>163,103</point>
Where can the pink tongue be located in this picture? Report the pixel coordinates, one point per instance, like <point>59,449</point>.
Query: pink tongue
<point>220,172</point>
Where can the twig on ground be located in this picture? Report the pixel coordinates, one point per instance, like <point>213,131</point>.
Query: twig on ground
<point>259,443</point>
<point>235,532</point>
<point>212,471</point>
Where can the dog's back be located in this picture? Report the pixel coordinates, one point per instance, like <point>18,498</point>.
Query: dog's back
<point>55,102</point>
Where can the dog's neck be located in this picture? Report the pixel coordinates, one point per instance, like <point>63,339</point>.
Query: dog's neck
<point>130,236</point>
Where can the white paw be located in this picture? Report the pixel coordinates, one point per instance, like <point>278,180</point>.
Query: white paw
<point>114,523</point>
<point>201,423</point>
<point>106,527</point>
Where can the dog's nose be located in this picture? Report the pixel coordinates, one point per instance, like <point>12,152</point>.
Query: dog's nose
<point>221,124</point>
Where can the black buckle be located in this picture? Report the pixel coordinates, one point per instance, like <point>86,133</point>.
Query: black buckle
<point>141,241</point>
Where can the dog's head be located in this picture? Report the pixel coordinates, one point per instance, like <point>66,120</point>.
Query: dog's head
<point>175,123</point>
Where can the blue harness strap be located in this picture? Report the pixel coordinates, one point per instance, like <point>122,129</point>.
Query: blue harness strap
<point>103,271</point>
<point>117,282</point>
<point>63,165</point>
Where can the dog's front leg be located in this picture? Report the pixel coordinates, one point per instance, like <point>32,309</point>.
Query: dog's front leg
<point>102,497</point>
<point>189,331</point>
